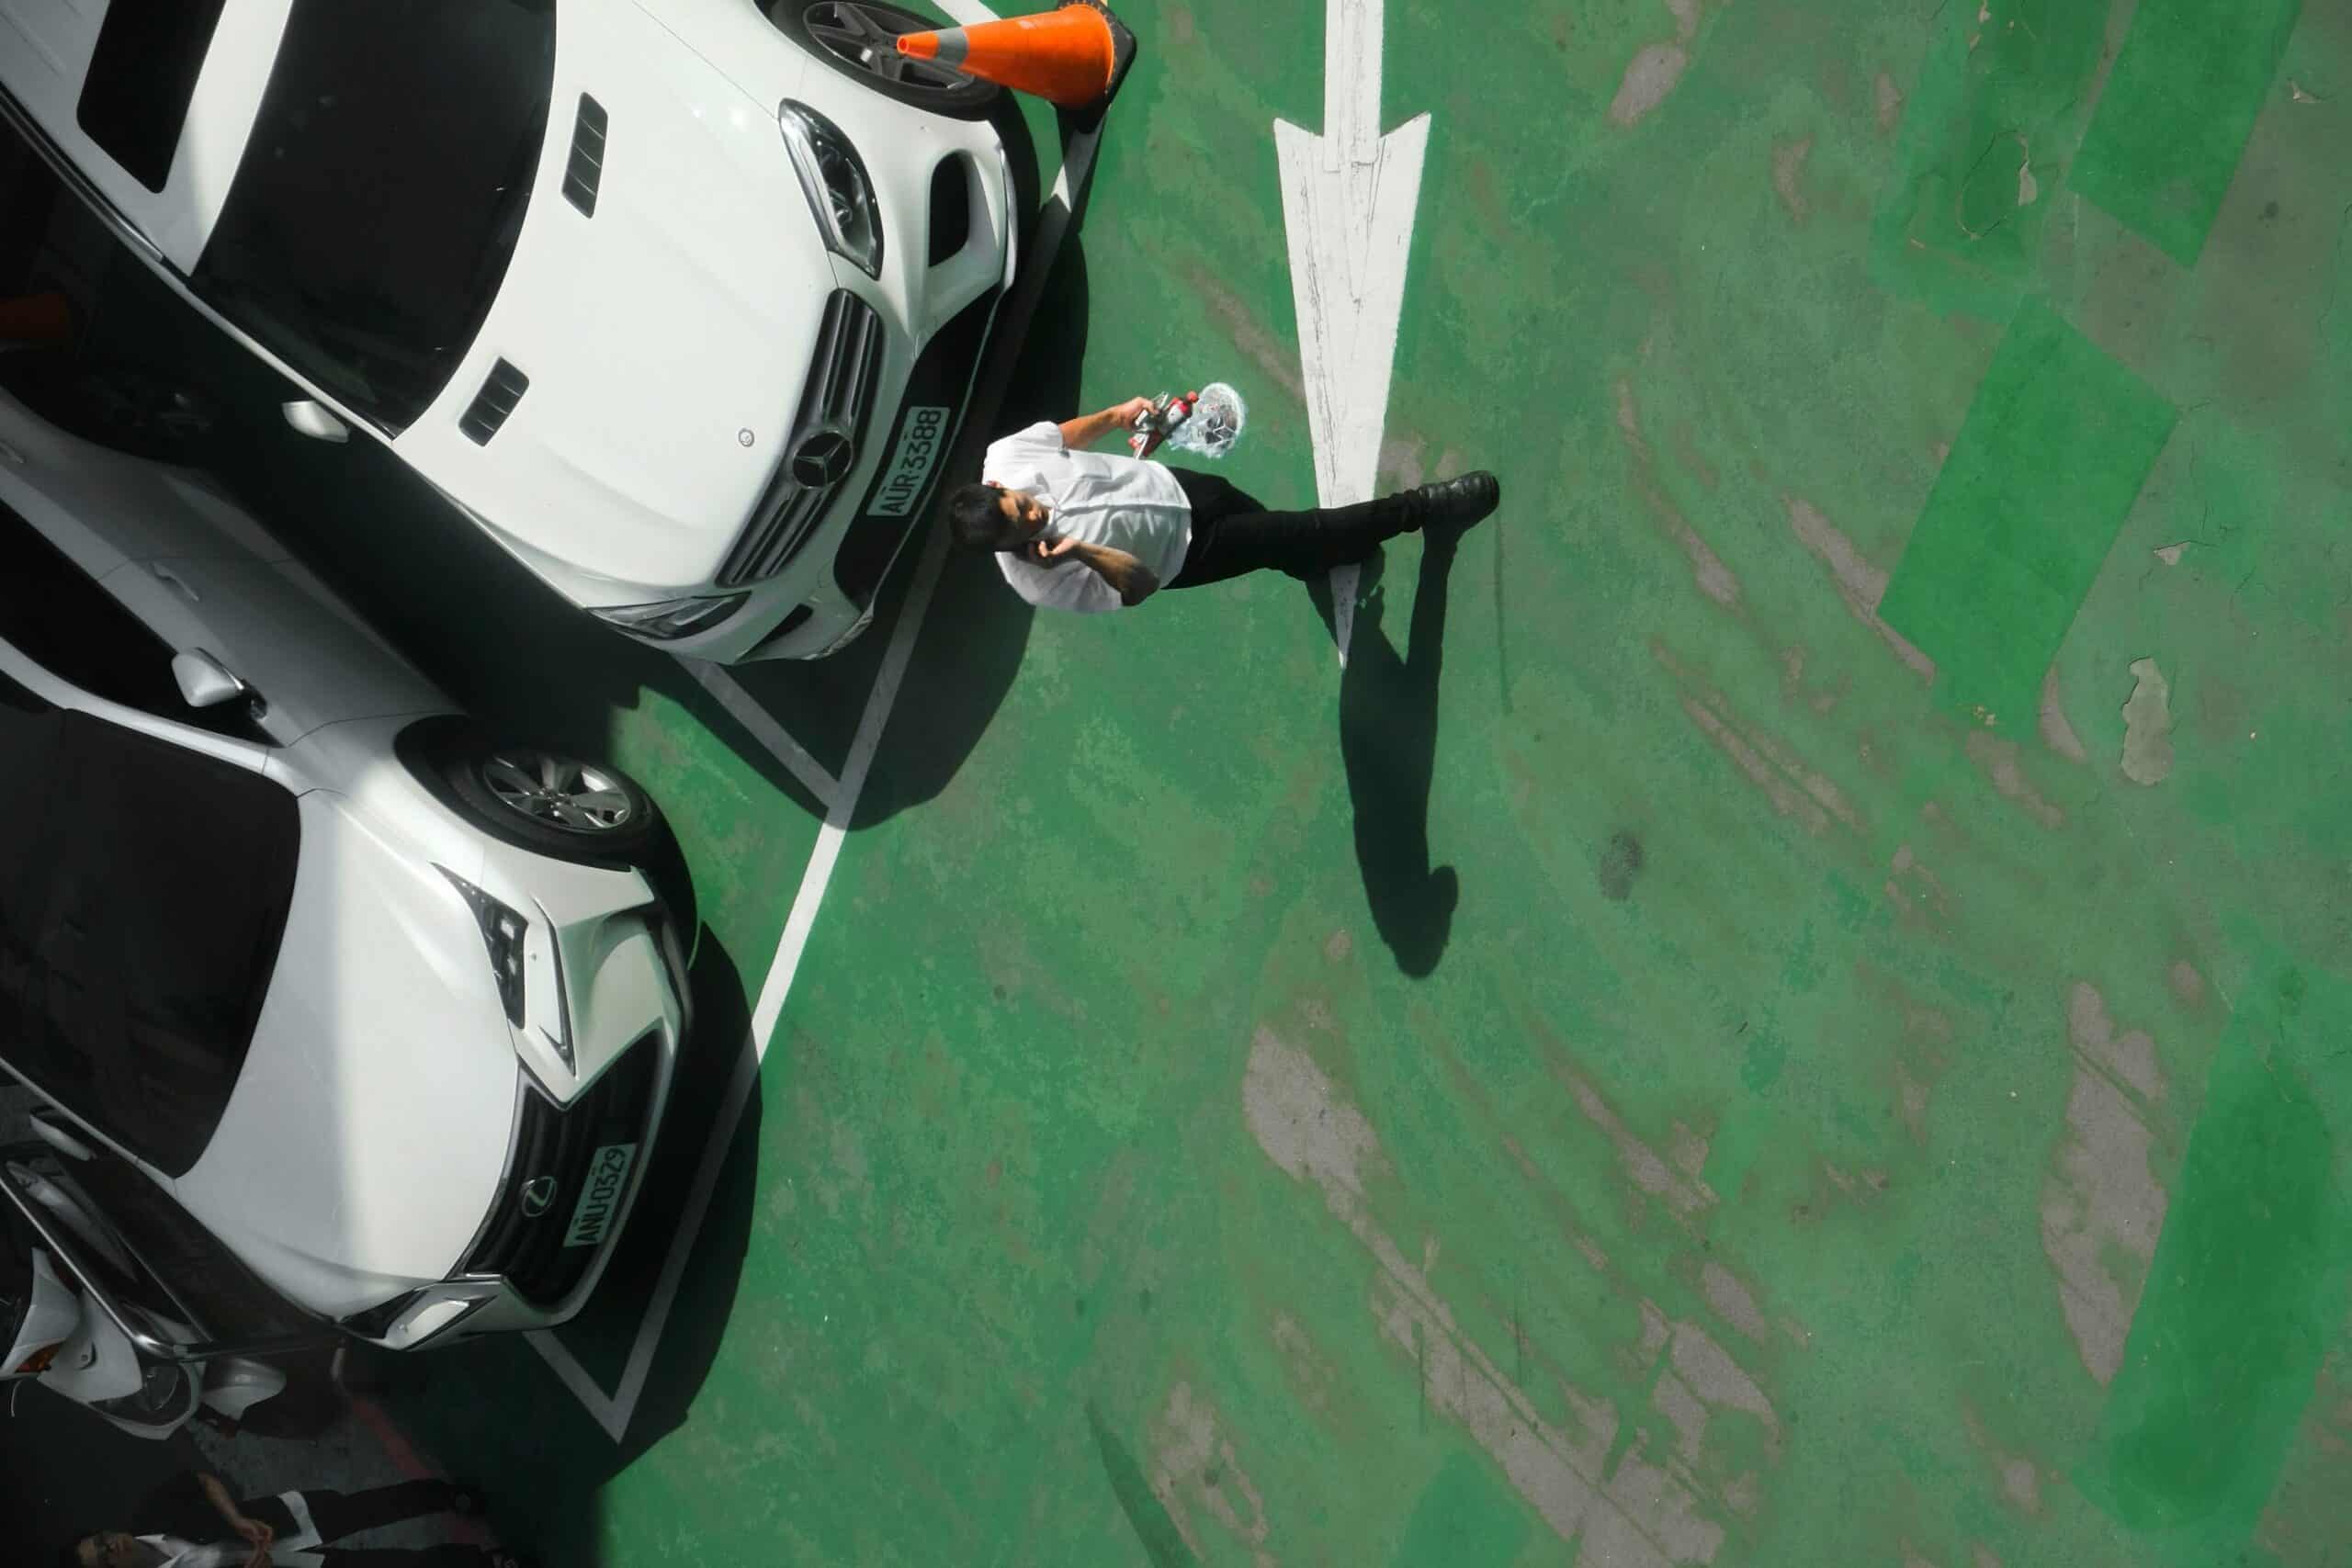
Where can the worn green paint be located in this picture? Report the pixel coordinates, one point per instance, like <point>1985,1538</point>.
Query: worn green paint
<point>2183,96</point>
<point>1989,128</point>
<point>1003,1271</point>
<point>2056,446</point>
<point>1463,1518</point>
<point>2247,1286</point>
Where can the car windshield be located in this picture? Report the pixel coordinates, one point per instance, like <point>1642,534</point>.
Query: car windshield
<point>382,190</point>
<point>143,893</point>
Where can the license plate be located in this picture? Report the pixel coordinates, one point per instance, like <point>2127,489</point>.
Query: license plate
<point>921,441</point>
<point>591,1217</point>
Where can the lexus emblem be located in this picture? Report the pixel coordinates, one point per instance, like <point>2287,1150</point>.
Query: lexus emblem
<point>537,1193</point>
<point>823,458</point>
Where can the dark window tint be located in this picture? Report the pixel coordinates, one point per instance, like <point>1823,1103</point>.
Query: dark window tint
<point>382,190</point>
<point>142,900</point>
<point>56,615</point>
<point>134,101</point>
<point>59,617</point>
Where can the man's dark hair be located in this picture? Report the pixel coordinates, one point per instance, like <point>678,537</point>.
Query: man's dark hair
<point>975,517</point>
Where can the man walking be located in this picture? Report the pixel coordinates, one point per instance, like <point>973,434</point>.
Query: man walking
<point>194,1522</point>
<point>1086,530</point>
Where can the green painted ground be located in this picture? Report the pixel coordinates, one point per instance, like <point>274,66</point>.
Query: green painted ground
<point>1883,1093</point>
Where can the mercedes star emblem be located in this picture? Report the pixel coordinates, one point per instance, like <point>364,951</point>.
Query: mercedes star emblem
<point>823,458</point>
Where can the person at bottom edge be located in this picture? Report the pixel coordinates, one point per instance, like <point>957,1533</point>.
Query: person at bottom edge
<point>194,1522</point>
<point>1091,532</point>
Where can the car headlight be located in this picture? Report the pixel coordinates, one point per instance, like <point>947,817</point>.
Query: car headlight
<point>832,176</point>
<point>668,618</point>
<point>502,932</point>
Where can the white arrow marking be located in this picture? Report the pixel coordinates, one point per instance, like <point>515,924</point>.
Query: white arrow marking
<point>1348,197</point>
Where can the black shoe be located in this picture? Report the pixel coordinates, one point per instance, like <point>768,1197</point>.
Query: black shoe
<point>1458,504</point>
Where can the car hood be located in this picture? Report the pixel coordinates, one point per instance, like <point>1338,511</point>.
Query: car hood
<point>666,336</point>
<point>368,1134</point>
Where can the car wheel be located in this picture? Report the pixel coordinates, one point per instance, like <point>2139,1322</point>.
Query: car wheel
<point>557,805</point>
<point>859,39</point>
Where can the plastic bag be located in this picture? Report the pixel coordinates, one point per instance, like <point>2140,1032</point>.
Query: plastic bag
<point>1215,423</point>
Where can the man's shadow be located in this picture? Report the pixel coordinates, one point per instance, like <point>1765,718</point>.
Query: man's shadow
<point>1388,745</point>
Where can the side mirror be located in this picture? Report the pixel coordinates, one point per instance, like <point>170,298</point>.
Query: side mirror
<point>203,683</point>
<point>311,419</point>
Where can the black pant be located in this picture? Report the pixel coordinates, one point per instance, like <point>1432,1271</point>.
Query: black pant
<point>1232,533</point>
<point>339,1514</point>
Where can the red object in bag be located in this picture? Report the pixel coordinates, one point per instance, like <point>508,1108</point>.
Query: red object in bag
<point>1157,422</point>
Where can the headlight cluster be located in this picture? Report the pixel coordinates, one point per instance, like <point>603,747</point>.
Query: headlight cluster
<point>502,932</point>
<point>833,178</point>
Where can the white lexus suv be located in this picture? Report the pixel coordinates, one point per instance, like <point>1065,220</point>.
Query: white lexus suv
<point>383,1007</point>
<point>679,300</point>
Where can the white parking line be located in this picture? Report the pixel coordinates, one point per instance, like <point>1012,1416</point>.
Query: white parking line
<point>967,13</point>
<point>614,1412</point>
<point>765,729</point>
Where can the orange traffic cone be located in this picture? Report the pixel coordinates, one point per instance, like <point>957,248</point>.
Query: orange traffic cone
<point>43,319</point>
<point>1072,57</point>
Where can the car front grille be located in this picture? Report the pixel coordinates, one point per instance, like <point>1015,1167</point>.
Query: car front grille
<point>555,1143</point>
<point>835,402</point>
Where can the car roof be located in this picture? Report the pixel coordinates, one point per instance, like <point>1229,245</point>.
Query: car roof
<point>45,54</point>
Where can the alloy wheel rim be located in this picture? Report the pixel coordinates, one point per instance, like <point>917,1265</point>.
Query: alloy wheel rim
<point>852,33</point>
<point>560,791</point>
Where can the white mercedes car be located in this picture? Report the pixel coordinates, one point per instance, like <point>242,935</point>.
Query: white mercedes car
<point>383,1006</point>
<point>679,300</point>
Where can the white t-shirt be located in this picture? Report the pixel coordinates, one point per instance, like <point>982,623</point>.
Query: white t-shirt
<point>179,1554</point>
<point>1104,499</point>
<point>299,1549</point>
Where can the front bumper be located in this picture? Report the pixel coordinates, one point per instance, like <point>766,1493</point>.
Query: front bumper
<point>520,1273</point>
<point>935,319</point>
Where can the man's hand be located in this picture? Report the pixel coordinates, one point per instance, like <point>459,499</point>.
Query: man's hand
<point>1086,429</point>
<point>1128,577</point>
<point>257,1535</point>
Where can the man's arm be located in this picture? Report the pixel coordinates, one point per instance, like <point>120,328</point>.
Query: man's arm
<point>218,1496</point>
<point>255,1534</point>
<point>1087,429</point>
<point>1131,579</point>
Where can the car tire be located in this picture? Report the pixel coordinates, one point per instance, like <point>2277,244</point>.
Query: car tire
<point>540,799</point>
<point>841,33</point>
